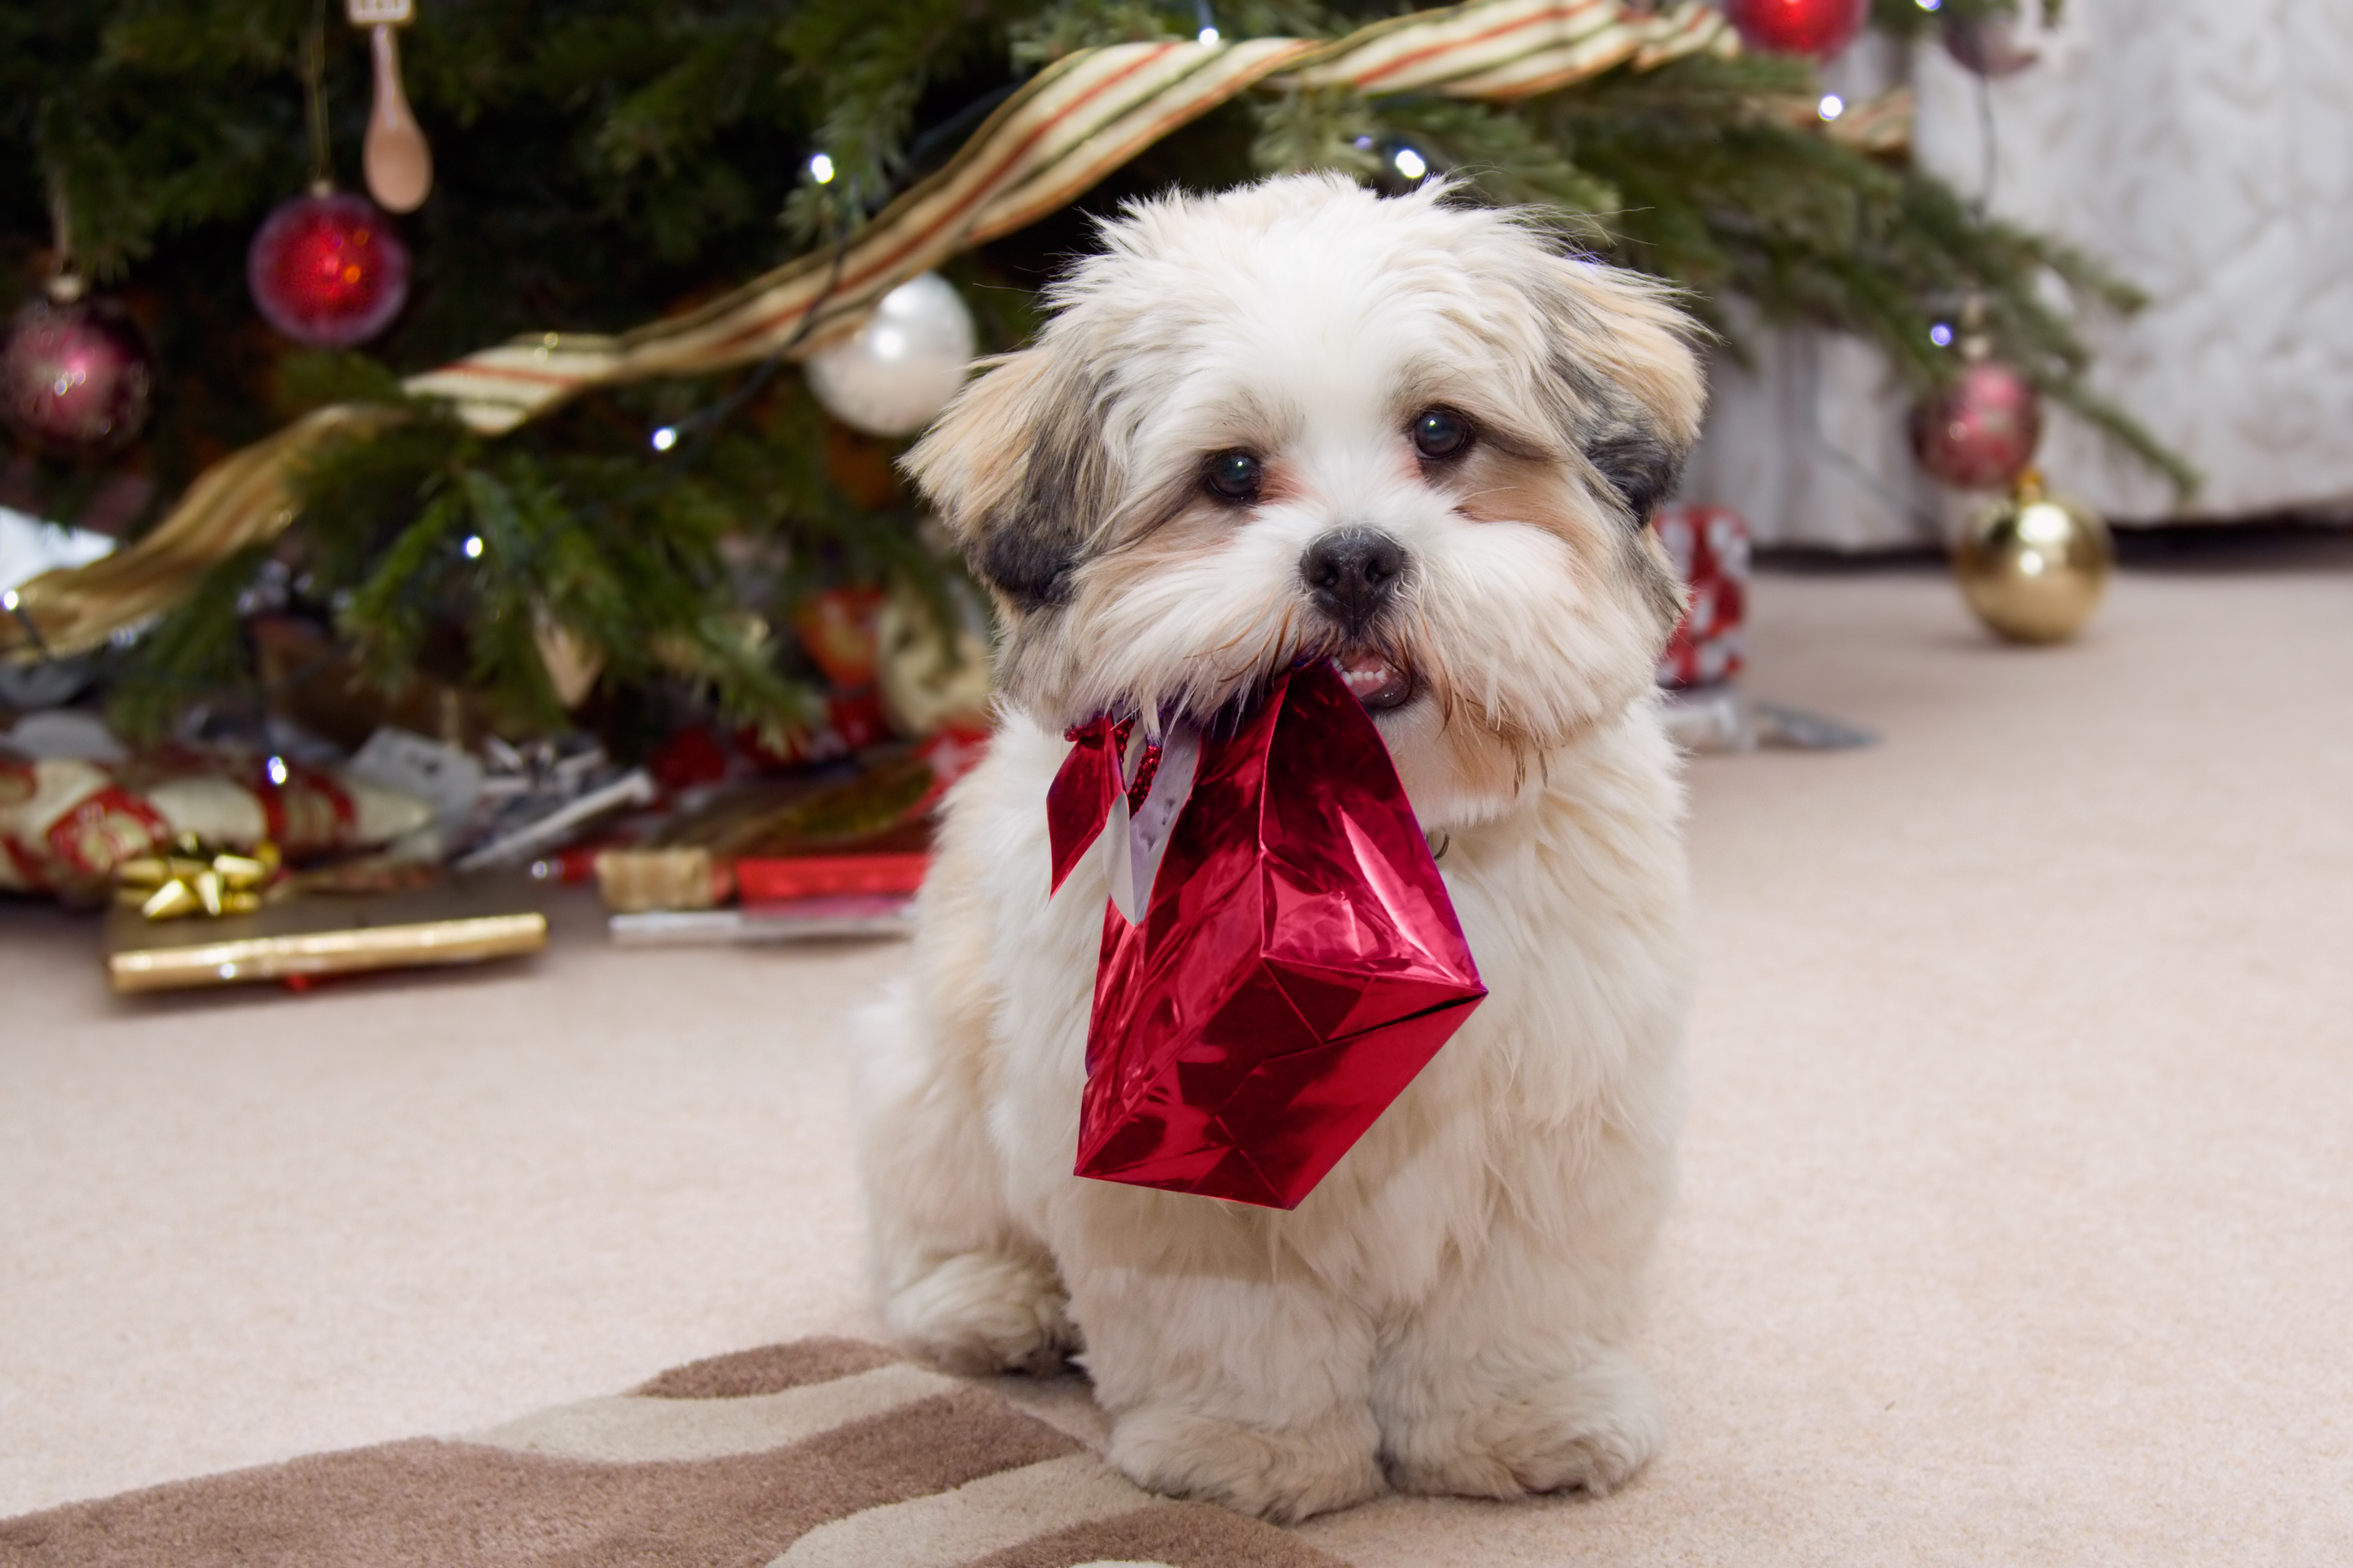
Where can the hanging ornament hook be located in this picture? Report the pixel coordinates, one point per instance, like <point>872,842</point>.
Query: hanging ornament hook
<point>65,284</point>
<point>1977,341</point>
<point>315,100</point>
<point>398,164</point>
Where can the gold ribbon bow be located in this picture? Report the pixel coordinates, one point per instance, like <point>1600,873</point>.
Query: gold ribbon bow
<point>195,879</point>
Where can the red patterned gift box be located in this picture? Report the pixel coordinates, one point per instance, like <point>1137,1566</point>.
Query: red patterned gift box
<point>66,824</point>
<point>1709,546</point>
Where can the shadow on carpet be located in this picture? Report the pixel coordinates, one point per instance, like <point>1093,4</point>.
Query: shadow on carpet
<point>820,1454</point>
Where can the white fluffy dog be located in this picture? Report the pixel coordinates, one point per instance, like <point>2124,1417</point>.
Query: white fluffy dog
<point>1298,419</point>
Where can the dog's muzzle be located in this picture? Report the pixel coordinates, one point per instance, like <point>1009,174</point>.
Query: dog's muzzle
<point>1353,575</point>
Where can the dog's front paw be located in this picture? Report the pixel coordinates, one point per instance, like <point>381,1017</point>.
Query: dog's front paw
<point>1283,1475</point>
<point>1592,1427</point>
<point>980,1312</point>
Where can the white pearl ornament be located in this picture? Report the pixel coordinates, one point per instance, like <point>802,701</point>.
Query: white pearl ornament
<point>895,375</point>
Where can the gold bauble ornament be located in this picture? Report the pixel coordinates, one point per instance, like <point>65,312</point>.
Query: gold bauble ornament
<point>2033,566</point>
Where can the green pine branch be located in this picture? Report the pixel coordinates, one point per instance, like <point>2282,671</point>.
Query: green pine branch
<point>603,161</point>
<point>1721,190</point>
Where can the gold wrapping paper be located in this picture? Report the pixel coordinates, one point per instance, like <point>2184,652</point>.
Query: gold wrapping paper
<point>635,881</point>
<point>324,934</point>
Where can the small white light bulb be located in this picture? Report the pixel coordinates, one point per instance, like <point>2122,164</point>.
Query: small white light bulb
<point>665,438</point>
<point>277,769</point>
<point>1941,335</point>
<point>8,601</point>
<point>820,169</point>
<point>1410,163</point>
<point>1208,35</point>
<point>473,547</point>
<point>1831,106</point>
<point>1930,4</point>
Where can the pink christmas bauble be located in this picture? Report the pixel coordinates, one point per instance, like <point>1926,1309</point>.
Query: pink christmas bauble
<point>1979,433</point>
<point>1817,27</point>
<point>328,271</point>
<point>75,377</point>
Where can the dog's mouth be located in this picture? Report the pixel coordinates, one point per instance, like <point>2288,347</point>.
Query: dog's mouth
<point>1378,683</point>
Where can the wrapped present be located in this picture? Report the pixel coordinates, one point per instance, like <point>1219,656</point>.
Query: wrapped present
<point>933,677</point>
<point>892,669</point>
<point>689,760</point>
<point>446,777</point>
<point>1709,546</point>
<point>851,721</point>
<point>634,879</point>
<point>541,796</point>
<point>838,629</point>
<point>835,918</point>
<point>817,852</point>
<point>763,879</point>
<point>774,840</point>
<point>307,939</point>
<point>68,824</point>
<point>1279,957</point>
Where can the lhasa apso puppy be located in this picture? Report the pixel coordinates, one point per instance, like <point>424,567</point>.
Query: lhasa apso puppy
<point>1295,420</point>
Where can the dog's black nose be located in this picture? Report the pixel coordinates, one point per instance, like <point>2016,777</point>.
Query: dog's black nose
<point>1352,572</point>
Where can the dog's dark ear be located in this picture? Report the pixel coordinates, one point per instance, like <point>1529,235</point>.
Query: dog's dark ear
<point>1630,389</point>
<point>1017,469</point>
<point>1642,468</point>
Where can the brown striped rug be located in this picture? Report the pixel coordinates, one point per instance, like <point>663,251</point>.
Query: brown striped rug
<point>821,1454</point>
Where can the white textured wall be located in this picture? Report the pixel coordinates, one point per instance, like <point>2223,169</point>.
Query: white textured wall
<point>2204,149</point>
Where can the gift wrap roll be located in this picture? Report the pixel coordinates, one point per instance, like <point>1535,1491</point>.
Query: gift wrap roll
<point>321,935</point>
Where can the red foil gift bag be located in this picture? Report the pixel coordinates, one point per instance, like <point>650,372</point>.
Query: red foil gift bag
<point>1287,959</point>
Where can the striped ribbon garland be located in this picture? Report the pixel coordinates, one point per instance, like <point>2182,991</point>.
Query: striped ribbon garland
<point>1065,129</point>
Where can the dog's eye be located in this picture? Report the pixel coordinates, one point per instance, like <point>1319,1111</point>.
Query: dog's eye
<point>1233,476</point>
<point>1440,434</point>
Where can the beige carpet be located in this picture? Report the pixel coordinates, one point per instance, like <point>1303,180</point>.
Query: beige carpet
<point>2018,1223</point>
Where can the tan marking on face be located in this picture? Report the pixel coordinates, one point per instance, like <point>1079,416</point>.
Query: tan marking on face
<point>1503,487</point>
<point>1497,486</point>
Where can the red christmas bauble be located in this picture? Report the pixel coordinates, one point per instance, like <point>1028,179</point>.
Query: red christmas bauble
<point>75,377</point>
<point>328,271</point>
<point>1817,27</point>
<point>1979,433</point>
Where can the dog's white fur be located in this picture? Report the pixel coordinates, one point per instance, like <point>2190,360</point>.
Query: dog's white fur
<point>1449,1310</point>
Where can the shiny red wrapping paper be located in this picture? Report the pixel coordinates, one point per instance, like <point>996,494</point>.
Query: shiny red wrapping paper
<point>1297,962</point>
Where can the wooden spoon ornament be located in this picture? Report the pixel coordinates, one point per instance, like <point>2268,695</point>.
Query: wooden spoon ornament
<point>398,164</point>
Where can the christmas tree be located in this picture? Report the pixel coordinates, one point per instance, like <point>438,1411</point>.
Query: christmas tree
<point>623,549</point>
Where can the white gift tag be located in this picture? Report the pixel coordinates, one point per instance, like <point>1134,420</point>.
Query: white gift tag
<point>1140,838</point>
